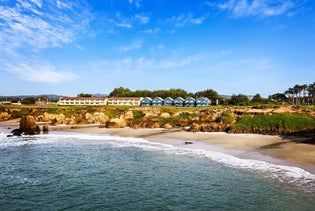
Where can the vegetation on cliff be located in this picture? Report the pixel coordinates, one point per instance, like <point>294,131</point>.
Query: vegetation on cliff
<point>275,123</point>
<point>233,119</point>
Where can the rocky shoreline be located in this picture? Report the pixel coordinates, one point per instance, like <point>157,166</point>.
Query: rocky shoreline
<point>207,119</point>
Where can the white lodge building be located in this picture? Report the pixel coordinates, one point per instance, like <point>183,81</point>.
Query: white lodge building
<point>134,101</point>
<point>83,101</point>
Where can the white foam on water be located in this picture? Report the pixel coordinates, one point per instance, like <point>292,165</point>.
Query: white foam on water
<point>281,172</point>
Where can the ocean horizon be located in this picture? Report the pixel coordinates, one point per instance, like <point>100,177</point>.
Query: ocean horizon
<point>73,171</point>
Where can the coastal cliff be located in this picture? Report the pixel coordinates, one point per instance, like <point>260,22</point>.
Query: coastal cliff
<point>276,121</point>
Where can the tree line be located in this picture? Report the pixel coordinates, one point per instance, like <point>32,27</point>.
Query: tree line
<point>298,95</point>
<point>173,93</point>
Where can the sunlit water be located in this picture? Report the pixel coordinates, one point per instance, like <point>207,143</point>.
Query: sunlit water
<point>98,172</point>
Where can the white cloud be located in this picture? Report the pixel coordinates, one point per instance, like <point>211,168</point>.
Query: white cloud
<point>36,70</point>
<point>142,19</point>
<point>27,27</point>
<point>135,2</point>
<point>143,64</point>
<point>137,44</point>
<point>263,8</point>
<point>152,31</point>
<point>183,20</point>
<point>123,66</point>
<point>128,22</point>
<point>175,63</point>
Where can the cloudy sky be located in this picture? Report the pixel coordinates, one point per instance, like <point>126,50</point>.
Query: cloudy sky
<point>231,46</point>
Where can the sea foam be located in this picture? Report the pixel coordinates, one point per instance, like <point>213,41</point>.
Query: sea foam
<point>281,172</point>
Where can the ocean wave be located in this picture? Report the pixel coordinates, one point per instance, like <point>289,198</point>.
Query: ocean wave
<point>281,172</point>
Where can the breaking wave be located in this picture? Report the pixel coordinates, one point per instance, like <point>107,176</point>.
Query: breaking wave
<point>282,173</point>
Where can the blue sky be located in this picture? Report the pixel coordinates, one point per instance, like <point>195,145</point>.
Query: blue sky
<point>231,46</point>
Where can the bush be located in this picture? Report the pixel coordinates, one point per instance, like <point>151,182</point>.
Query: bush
<point>286,121</point>
<point>186,115</point>
<point>138,115</point>
<point>226,117</point>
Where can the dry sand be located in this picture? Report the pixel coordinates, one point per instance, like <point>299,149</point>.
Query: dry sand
<point>268,148</point>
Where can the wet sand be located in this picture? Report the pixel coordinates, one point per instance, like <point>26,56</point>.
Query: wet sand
<point>274,149</point>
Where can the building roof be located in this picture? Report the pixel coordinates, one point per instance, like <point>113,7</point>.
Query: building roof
<point>158,98</point>
<point>169,98</point>
<point>179,98</point>
<point>83,98</point>
<point>125,98</point>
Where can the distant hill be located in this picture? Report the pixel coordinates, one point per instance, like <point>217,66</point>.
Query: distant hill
<point>50,96</point>
<point>100,95</point>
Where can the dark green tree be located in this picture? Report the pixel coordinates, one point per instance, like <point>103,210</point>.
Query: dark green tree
<point>121,92</point>
<point>209,93</point>
<point>278,97</point>
<point>239,100</point>
<point>29,100</point>
<point>258,99</point>
<point>84,95</point>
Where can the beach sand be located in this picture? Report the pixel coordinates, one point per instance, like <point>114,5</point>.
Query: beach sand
<point>272,149</point>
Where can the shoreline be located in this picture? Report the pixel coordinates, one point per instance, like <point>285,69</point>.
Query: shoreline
<point>269,148</point>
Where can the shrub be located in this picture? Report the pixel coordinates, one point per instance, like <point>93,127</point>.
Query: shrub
<point>226,117</point>
<point>186,115</point>
<point>138,115</point>
<point>286,121</point>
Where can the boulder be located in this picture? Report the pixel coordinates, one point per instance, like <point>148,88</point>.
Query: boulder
<point>27,127</point>
<point>4,116</point>
<point>117,123</point>
<point>167,126</point>
<point>165,115</point>
<point>45,128</point>
<point>129,115</point>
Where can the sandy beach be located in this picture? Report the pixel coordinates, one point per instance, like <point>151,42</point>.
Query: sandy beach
<point>273,149</point>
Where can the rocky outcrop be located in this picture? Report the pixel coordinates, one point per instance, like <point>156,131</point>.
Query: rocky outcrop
<point>96,118</point>
<point>117,123</point>
<point>27,127</point>
<point>4,116</point>
<point>208,119</point>
<point>45,128</point>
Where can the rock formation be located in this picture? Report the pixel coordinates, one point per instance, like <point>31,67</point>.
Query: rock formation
<point>45,128</point>
<point>27,127</point>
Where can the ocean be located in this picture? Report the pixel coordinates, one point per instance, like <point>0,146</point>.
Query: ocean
<point>71,171</point>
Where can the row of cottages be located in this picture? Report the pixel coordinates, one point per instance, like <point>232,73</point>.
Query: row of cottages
<point>178,102</point>
<point>133,101</point>
<point>83,101</point>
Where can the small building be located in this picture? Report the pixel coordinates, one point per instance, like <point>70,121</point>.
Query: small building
<point>157,101</point>
<point>168,101</point>
<point>203,102</point>
<point>146,101</point>
<point>179,102</point>
<point>83,101</point>
<point>132,101</point>
<point>190,102</point>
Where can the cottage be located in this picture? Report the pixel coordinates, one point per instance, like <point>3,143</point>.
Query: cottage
<point>157,101</point>
<point>146,101</point>
<point>190,102</point>
<point>168,101</point>
<point>202,102</point>
<point>83,101</point>
<point>133,101</point>
<point>179,102</point>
